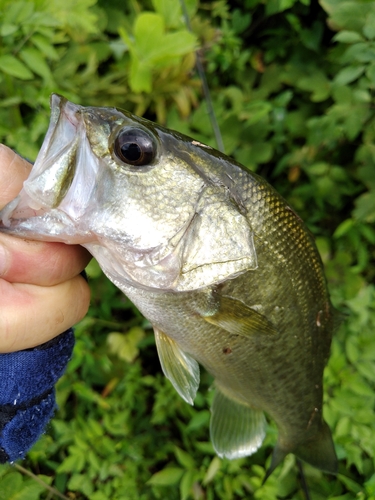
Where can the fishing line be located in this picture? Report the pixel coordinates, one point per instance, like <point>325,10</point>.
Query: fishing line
<point>37,479</point>
<point>206,90</point>
<point>219,141</point>
<point>302,477</point>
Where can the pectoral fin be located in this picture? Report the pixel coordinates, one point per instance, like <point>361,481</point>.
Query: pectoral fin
<point>235,317</point>
<point>180,368</point>
<point>236,430</point>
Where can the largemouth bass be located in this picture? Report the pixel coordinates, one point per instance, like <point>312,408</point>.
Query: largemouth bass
<point>210,253</point>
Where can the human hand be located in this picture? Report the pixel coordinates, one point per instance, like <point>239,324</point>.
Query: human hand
<point>42,293</point>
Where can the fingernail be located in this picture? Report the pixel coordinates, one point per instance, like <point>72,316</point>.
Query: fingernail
<point>4,260</point>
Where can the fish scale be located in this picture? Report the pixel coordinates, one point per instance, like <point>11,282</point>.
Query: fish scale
<point>225,271</point>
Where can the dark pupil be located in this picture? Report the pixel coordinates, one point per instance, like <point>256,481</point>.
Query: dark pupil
<point>134,147</point>
<point>131,151</point>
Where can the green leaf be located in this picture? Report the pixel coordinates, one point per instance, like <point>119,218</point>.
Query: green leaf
<point>260,152</point>
<point>128,40</point>
<point>140,79</point>
<point>317,83</point>
<point>370,485</point>
<point>275,6</point>
<point>148,33</point>
<point>99,495</point>
<point>153,44</point>
<point>349,15</point>
<point>370,73</point>
<point>343,228</point>
<point>81,482</point>
<point>72,463</point>
<point>348,37</point>
<point>199,420</point>
<point>349,74</point>
<point>170,10</point>
<point>312,37</point>
<point>366,369</point>
<point>350,484</point>
<point>8,29</point>
<point>184,458</point>
<point>369,27</point>
<point>255,111</point>
<point>360,52</point>
<point>365,207</point>
<point>10,101</point>
<point>76,15</point>
<point>30,491</point>
<point>125,346</point>
<point>152,48</point>
<point>14,67</point>
<point>93,269</point>
<point>166,477</point>
<point>174,44</point>
<point>212,470</point>
<point>368,232</point>
<point>10,484</point>
<point>358,386</point>
<point>240,20</point>
<point>186,484</point>
<point>18,12</point>
<point>36,63</point>
<point>45,46</point>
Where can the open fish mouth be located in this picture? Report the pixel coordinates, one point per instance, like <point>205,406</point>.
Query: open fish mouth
<point>55,165</point>
<point>40,211</point>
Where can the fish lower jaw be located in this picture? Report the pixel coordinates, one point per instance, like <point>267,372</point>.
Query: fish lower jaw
<point>22,207</point>
<point>23,214</point>
<point>46,225</point>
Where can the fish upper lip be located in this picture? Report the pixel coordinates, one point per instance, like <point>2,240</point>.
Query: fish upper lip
<point>59,105</point>
<point>69,109</point>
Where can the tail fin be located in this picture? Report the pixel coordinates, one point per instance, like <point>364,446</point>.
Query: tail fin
<point>318,451</point>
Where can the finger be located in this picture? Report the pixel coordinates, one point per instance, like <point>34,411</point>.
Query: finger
<point>32,315</point>
<point>14,170</point>
<point>40,263</point>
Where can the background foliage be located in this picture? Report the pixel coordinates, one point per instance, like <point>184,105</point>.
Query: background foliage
<point>293,86</point>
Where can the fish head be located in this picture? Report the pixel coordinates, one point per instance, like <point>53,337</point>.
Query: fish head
<point>154,207</point>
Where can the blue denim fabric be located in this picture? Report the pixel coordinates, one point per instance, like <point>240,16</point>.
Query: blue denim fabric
<point>27,394</point>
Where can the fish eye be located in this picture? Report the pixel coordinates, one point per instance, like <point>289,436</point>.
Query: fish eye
<point>134,147</point>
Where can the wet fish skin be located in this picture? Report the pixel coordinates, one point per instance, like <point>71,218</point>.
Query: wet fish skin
<point>212,255</point>
<point>281,372</point>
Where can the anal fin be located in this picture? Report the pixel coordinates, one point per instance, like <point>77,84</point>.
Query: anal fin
<point>236,429</point>
<point>180,368</point>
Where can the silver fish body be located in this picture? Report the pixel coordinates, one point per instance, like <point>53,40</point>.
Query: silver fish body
<point>210,253</point>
